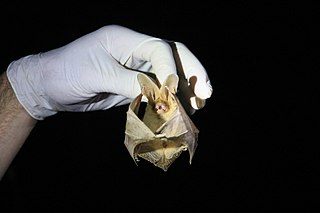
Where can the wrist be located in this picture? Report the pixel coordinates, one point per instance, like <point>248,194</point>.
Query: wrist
<point>15,124</point>
<point>25,77</point>
<point>10,107</point>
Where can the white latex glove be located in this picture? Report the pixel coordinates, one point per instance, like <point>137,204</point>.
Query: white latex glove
<point>102,62</point>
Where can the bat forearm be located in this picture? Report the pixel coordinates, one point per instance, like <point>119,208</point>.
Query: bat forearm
<point>15,124</point>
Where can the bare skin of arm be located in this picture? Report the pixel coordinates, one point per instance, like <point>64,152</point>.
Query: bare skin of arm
<point>15,124</point>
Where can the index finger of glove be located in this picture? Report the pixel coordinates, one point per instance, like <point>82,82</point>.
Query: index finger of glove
<point>159,54</point>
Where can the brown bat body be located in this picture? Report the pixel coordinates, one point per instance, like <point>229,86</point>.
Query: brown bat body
<point>165,129</point>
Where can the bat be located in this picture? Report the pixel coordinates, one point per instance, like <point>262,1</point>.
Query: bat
<point>164,130</point>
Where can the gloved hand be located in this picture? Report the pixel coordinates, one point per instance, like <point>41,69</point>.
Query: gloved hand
<point>101,64</point>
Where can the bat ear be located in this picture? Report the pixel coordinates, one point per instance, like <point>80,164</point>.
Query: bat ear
<point>148,87</point>
<point>171,84</point>
<point>169,87</point>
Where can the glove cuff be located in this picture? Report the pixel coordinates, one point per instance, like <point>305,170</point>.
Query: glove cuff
<point>25,77</point>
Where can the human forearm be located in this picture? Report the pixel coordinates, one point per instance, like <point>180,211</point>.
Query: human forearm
<point>15,124</point>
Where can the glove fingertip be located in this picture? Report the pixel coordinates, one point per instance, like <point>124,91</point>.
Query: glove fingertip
<point>203,91</point>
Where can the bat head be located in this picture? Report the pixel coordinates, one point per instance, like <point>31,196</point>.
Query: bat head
<point>161,100</point>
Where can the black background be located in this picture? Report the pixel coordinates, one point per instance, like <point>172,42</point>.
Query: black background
<point>256,147</point>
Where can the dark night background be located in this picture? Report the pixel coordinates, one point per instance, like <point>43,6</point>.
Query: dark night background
<point>256,146</point>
